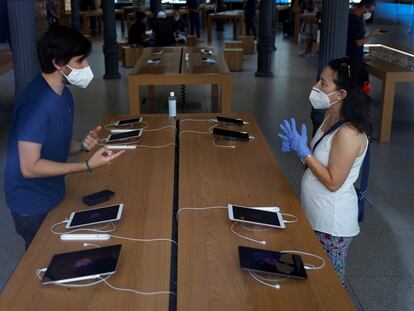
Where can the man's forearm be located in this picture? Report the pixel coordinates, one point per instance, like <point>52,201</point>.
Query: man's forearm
<point>46,168</point>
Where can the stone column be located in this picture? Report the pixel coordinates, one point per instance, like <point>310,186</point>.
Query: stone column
<point>110,47</point>
<point>265,46</point>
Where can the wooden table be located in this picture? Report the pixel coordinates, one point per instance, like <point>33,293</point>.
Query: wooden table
<point>174,70</point>
<point>143,180</point>
<point>237,16</point>
<point>390,75</point>
<point>209,275</point>
<point>85,15</point>
<point>299,19</point>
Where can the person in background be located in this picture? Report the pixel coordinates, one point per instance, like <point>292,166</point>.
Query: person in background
<point>193,8</point>
<point>334,157</point>
<point>52,13</point>
<point>40,134</point>
<point>163,31</point>
<point>356,29</point>
<point>180,27</point>
<point>136,34</point>
<point>309,29</point>
<point>250,19</point>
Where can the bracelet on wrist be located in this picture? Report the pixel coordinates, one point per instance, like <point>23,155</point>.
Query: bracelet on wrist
<point>88,167</point>
<point>306,157</point>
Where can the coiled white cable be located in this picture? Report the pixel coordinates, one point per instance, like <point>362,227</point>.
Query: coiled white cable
<point>197,120</point>
<point>99,230</point>
<point>245,237</point>
<point>307,266</point>
<point>136,291</point>
<point>198,209</point>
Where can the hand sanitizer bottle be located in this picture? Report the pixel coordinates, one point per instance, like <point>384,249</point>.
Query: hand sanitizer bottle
<point>172,106</point>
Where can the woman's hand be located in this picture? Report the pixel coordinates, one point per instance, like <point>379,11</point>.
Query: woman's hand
<point>292,140</point>
<point>102,157</point>
<point>91,140</point>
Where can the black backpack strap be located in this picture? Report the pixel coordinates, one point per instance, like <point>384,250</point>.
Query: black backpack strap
<point>332,129</point>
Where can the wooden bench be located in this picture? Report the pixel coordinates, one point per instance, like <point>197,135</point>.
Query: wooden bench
<point>248,44</point>
<point>130,56</point>
<point>234,58</point>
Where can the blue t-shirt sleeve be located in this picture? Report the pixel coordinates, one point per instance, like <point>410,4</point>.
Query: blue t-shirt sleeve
<point>31,123</point>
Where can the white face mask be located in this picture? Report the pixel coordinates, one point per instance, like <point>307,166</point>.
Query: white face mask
<point>320,100</point>
<point>79,77</point>
<point>176,18</point>
<point>367,16</point>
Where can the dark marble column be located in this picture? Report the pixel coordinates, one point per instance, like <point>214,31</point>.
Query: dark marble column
<point>334,34</point>
<point>22,22</point>
<point>75,17</point>
<point>265,46</point>
<point>110,47</point>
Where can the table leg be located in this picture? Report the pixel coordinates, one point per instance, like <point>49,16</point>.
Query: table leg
<point>241,24</point>
<point>134,98</point>
<point>214,90</point>
<point>85,24</point>
<point>387,106</point>
<point>151,91</point>
<point>122,23</point>
<point>234,28</point>
<point>209,28</point>
<point>226,94</point>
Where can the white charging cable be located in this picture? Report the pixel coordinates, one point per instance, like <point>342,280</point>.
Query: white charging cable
<point>198,120</point>
<point>295,219</point>
<point>307,266</point>
<point>209,131</point>
<point>265,281</point>
<point>161,128</point>
<point>143,240</point>
<point>223,146</point>
<point>245,237</point>
<point>113,126</point>
<point>136,291</point>
<point>198,209</point>
<point>98,230</point>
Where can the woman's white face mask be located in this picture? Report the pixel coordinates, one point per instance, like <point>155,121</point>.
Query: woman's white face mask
<point>367,16</point>
<point>79,77</point>
<point>320,100</point>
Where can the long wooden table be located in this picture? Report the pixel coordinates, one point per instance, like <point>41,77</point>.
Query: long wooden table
<point>143,180</point>
<point>236,16</point>
<point>390,74</point>
<point>86,15</point>
<point>173,69</point>
<point>209,274</point>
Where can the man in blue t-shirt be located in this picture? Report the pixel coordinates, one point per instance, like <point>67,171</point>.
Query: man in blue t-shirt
<point>356,30</point>
<point>40,134</point>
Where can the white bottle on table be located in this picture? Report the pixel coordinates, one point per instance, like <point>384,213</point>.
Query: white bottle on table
<point>172,106</point>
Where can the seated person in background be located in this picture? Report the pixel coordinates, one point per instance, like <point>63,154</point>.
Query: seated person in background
<point>136,34</point>
<point>163,31</point>
<point>180,27</point>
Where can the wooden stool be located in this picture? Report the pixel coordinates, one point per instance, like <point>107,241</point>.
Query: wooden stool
<point>233,44</point>
<point>191,40</point>
<point>234,59</point>
<point>248,44</point>
<point>131,56</point>
<point>120,51</point>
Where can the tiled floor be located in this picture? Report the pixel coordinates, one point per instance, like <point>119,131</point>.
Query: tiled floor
<point>380,272</point>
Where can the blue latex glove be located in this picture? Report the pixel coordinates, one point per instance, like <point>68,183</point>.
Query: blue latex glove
<point>298,142</point>
<point>285,143</point>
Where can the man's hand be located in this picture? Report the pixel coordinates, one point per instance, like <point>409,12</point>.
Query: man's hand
<point>91,140</point>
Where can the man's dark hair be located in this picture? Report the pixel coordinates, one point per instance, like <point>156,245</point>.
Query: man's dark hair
<point>366,3</point>
<point>61,43</point>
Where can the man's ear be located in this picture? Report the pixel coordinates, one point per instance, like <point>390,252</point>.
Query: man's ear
<point>57,66</point>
